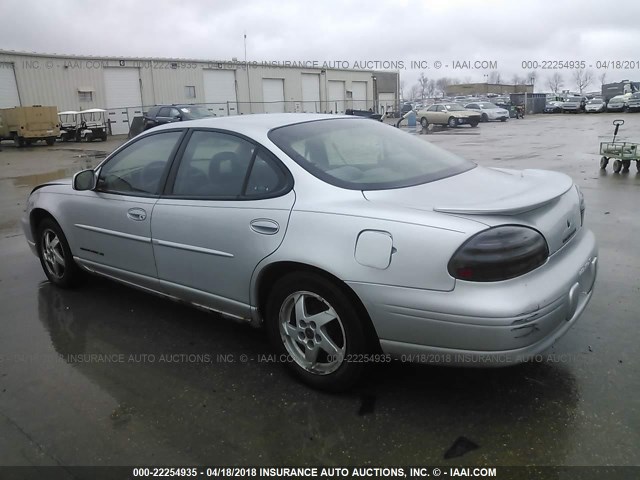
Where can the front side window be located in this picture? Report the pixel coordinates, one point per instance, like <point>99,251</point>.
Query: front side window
<point>139,167</point>
<point>164,112</point>
<point>362,155</point>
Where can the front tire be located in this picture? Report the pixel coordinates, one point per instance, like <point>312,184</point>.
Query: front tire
<point>50,141</point>
<point>55,255</point>
<point>485,118</point>
<point>424,122</point>
<point>452,122</point>
<point>604,161</point>
<point>312,322</point>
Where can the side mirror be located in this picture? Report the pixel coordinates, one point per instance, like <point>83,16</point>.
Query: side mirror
<point>178,117</point>
<point>85,180</point>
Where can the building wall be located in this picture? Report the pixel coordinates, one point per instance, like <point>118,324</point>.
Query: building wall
<point>56,80</point>
<point>484,88</point>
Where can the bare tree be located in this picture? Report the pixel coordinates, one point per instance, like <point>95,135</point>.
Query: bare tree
<point>431,89</point>
<point>442,84</point>
<point>582,78</point>
<point>466,79</point>
<point>603,78</point>
<point>414,93</point>
<point>423,82</point>
<point>555,82</point>
<point>402,85</point>
<point>531,77</point>
<point>516,80</point>
<point>494,77</point>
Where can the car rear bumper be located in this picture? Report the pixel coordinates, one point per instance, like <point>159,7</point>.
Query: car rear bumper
<point>480,324</point>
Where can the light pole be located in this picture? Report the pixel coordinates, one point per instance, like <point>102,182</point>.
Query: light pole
<point>246,65</point>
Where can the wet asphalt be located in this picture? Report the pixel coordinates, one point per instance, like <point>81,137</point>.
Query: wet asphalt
<point>107,375</point>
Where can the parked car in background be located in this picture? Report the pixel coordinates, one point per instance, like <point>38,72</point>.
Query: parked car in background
<point>574,104</point>
<point>633,105</point>
<point>595,105</point>
<point>489,111</point>
<point>554,106</point>
<point>335,234</point>
<point>619,103</point>
<point>450,114</point>
<point>162,114</point>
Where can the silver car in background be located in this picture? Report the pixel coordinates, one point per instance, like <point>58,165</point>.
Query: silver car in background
<point>351,241</point>
<point>489,111</point>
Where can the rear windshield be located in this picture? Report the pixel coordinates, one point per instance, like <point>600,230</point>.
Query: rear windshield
<point>361,154</point>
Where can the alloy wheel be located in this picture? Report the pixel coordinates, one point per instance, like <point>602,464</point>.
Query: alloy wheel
<point>312,333</point>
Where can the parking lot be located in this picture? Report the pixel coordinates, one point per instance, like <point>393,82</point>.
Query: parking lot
<point>107,375</point>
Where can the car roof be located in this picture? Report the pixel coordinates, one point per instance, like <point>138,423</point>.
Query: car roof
<point>258,122</point>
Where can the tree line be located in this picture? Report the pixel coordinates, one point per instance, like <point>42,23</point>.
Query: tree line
<point>555,82</point>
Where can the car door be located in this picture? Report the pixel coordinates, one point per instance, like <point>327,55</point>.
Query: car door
<point>432,115</point>
<point>226,207</point>
<point>111,225</point>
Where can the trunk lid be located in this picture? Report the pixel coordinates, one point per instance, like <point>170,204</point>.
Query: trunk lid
<point>540,199</point>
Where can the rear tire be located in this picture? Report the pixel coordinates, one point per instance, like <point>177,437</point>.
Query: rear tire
<point>50,141</point>
<point>314,325</point>
<point>55,255</point>
<point>604,161</point>
<point>485,118</point>
<point>626,164</point>
<point>19,141</point>
<point>424,122</point>
<point>617,166</point>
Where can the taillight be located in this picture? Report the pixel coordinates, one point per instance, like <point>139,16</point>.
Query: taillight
<point>499,253</point>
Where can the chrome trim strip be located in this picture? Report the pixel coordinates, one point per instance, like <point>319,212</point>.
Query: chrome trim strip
<point>191,248</point>
<point>114,233</point>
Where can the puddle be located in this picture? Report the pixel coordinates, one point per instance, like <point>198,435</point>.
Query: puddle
<point>38,178</point>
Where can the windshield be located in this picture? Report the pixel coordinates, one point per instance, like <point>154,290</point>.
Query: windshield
<point>488,105</point>
<point>359,154</point>
<point>573,100</point>
<point>454,107</point>
<point>595,100</point>
<point>193,113</point>
<point>617,100</point>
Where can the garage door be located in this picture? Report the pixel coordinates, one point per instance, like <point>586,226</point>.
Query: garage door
<point>359,90</point>
<point>273,95</point>
<point>386,102</point>
<point>124,101</point>
<point>336,96</point>
<point>220,92</point>
<point>8,89</point>
<point>310,93</point>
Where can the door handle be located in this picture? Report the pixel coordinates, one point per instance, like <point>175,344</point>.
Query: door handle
<point>137,214</point>
<point>264,226</point>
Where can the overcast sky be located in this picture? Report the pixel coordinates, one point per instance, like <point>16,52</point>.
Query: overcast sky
<point>506,31</point>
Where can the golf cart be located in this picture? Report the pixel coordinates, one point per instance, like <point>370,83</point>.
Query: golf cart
<point>69,128</point>
<point>93,125</point>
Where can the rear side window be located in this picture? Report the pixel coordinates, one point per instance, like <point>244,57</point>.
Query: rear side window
<point>266,177</point>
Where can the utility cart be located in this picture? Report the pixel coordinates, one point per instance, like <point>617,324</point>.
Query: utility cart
<point>623,153</point>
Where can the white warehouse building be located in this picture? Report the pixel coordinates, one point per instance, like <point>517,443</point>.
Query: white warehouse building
<point>127,87</point>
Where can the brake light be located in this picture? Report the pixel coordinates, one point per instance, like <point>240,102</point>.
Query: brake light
<point>499,253</point>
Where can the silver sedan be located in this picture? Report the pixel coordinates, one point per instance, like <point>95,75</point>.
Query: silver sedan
<point>351,241</point>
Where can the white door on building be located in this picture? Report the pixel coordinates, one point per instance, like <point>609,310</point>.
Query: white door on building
<point>336,96</point>
<point>8,88</point>
<point>273,95</point>
<point>311,93</point>
<point>220,92</point>
<point>124,100</point>
<point>386,102</point>
<point>359,90</point>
